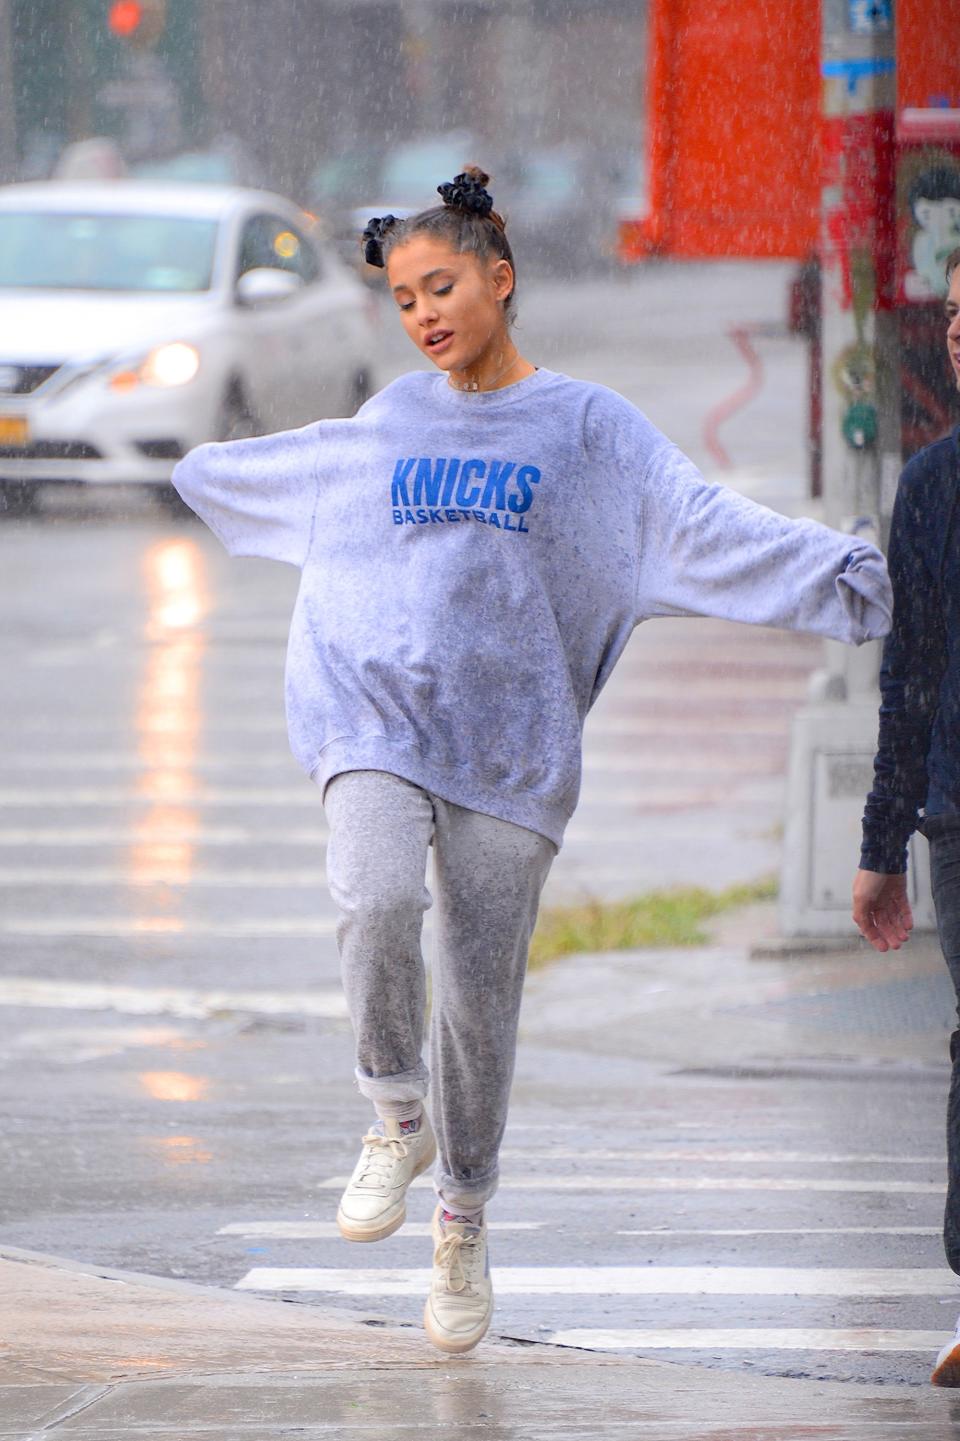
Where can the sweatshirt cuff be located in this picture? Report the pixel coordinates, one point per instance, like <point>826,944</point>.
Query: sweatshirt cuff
<point>863,587</point>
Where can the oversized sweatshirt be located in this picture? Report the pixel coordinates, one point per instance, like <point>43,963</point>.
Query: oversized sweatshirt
<point>473,564</point>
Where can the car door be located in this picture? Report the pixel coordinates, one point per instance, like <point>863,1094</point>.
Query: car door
<point>272,335</point>
<point>332,325</point>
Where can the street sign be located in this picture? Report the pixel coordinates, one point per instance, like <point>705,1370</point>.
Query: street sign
<point>870,17</point>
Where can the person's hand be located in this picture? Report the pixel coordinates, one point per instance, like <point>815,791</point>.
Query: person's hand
<point>881,910</point>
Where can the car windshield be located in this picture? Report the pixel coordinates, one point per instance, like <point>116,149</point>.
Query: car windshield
<point>53,251</point>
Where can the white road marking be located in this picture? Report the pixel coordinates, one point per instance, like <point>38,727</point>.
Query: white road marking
<point>666,1231</point>
<point>257,930</point>
<point>695,1183</point>
<point>162,835</point>
<point>165,1000</point>
<point>61,799</point>
<point>618,796</point>
<point>710,1154</point>
<point>247,879</point>
<point>327,1230</point>
<point>618,1281</point>
<point>596,758</point>
<point>863,1338</point>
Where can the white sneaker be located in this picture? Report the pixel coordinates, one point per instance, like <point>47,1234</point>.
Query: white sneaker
<point>946,1372</point>
<point>374,1205</point>
<point>460,1305</point>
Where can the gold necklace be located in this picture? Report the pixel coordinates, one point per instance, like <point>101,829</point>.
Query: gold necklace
<point>475,385</point>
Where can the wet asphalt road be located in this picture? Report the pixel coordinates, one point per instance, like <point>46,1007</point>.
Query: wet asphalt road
<point>174,1071</point>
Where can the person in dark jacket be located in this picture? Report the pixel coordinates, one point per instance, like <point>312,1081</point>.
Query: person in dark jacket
<point>917,769</point>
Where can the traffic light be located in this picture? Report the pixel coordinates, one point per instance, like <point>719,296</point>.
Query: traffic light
<point>125,17</point>
<point>139,22</point>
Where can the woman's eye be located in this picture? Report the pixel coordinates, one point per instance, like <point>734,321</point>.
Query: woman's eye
<point>408,305</point>
<point>444,290</point>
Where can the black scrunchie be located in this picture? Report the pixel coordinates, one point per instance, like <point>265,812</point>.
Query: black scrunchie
<point>373,237</point>
<point>466,193</point>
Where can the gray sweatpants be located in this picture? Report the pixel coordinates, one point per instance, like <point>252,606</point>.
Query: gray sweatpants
<point>488,875</point>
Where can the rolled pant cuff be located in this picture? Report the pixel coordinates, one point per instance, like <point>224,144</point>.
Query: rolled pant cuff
<point>465,1195</point>
<point>405,1087</point>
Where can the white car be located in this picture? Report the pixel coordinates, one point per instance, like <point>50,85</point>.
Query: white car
<point>139,318</point>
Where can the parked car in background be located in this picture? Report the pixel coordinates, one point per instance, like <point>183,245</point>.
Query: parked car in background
<point>139,318</point>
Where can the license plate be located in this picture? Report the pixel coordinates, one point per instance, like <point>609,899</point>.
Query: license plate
<point>13,430</point>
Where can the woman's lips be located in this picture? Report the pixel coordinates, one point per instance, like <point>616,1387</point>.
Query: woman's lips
<point>435,347</point>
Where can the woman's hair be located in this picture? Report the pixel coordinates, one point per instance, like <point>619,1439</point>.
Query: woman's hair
<point>466,221</point>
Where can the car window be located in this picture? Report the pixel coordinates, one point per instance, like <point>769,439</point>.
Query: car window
<point>267,241</point>
<point>48,250</point>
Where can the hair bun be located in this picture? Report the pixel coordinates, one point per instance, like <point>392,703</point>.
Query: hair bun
<point>467,192</point>
<point>373,236</point>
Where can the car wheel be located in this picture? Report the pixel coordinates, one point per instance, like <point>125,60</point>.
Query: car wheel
<point>170,502</point>
<point>237,421</point>
<point>17,498</point>
<point>361,390</point>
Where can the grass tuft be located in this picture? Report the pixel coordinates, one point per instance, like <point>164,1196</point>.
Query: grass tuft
<point>657,919</point>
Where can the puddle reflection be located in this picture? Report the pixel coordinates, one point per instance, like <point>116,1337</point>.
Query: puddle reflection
<point>180,1150</point>
<point>168,722</point>
<point>174,1085</point>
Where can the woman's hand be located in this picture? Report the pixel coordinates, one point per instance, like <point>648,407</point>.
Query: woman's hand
<point>881,910</point>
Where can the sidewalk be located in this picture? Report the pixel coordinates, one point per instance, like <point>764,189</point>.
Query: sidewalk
<point>107,1354</point>
<point>90,1352</point>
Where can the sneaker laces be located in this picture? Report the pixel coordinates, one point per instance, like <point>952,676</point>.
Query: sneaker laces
<point>380,1153</point>
<point>449,1259</point>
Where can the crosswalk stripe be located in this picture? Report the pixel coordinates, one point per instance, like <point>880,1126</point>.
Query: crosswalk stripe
<point>632,762</point>
<point>329,1230</point>
<point>710,1154</point>
<point>618,1281</point>
<point>165,1000</point>
<point>694,1183</point>
<point>93,835</point>
<point>615,797</point>
<point>259,930</point>
<point>61,798</point>
<point>665,1232</point>
<point>16,876</point>
<point>735,1339</point>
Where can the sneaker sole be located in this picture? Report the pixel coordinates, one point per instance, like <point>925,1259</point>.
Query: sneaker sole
<point>947,1370</point>
<point>355,1231</point>
<point>454,1346</point>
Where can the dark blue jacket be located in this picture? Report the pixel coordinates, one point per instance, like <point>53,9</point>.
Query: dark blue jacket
<point>918,759</point>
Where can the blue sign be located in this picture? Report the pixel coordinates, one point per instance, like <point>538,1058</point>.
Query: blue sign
<point>870,17</point>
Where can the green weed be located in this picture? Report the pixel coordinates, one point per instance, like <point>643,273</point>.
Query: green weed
<point>657,919</point>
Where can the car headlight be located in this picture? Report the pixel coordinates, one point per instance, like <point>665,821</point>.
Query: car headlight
<point>175,363</point>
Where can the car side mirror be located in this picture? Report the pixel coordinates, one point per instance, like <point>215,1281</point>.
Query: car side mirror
<point>265,286</point>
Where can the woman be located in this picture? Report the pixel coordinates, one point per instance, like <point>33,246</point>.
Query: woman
<point>476,548</point>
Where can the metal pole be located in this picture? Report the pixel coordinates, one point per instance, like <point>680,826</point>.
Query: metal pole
<point>9,154</point>
<point>834,737</point>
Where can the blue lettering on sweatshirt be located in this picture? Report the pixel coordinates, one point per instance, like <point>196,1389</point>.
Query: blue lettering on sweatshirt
<point>425,488</point>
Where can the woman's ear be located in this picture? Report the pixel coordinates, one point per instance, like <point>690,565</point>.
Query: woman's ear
<point>503,279</point>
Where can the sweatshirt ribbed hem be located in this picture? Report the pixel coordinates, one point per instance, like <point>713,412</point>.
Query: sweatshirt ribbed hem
<point>459,786</point>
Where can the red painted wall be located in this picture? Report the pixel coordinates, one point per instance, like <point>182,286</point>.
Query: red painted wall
<point>733,106</point>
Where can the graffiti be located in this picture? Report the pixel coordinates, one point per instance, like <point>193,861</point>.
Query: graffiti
<point>933,202</point>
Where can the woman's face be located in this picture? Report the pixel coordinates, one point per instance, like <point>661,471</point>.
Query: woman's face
<point>451,304</point>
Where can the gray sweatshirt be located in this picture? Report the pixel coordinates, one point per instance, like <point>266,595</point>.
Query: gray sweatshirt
<point>473,565</point>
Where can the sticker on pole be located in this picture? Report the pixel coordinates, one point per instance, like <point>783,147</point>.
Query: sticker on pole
<point>870,17</point>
